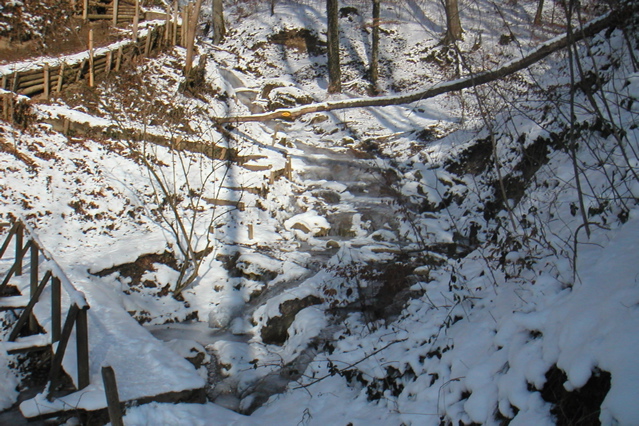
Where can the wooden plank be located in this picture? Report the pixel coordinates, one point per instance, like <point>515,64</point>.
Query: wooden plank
<point>91,65</point>
<point>118,61</point>
<point>147,43</point>
<point>58,88</point>
<point>116,3</point>
<point>16,81</point>
<point>19,251</point>
<point>109,61</point>
<point>136,20</point>
<point>26,314</point>
<point>47,81</point>
<point>26,344</point>
<point>27,84</point>
<point>29,91</point>
<point>112,396</point>
<point>8,238</point>
<point>56,363</point>
<point>81,70</point>
<point>56,309</point>
<point>13,302</point>
<point>33,282</point>
<point>82,345</point>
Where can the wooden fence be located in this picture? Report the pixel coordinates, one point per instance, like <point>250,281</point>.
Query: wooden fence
<point>49,79</point>
<point>76,315</point>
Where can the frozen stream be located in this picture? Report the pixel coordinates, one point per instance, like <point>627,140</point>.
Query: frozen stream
<point>357,198</point>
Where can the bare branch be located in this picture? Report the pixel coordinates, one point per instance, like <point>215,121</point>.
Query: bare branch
<point>534,56</point>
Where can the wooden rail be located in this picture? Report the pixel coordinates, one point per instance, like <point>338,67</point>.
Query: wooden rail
<point>76,315</point>
<point>53,78</point>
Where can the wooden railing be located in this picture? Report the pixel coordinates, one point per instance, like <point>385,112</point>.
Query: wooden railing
<point>53,77</point>
<point>55,277</point>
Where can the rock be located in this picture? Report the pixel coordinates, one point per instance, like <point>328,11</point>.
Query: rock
<point>275,332</point>
<point>287,97</point>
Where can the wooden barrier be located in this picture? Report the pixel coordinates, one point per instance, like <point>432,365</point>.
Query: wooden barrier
<point>49,79</point>
<point>76,316</point>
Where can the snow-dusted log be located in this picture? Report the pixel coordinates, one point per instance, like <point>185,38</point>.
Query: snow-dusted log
<point>511,67</point>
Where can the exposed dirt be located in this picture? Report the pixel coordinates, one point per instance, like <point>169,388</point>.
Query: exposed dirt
<point>49,27</point>
<point>579,407</point>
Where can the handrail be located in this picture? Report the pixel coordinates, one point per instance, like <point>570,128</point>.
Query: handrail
<point>76,296</point>
<point>76,316</point>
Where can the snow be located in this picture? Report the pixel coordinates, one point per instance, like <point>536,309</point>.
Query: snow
<point>490,299</point>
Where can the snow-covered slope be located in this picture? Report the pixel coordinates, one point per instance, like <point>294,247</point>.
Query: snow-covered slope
<point>384,266</point>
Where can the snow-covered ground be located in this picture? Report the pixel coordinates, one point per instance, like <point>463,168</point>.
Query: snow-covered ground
<point>402,275</point>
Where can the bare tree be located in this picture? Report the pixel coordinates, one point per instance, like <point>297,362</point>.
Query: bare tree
<point>453,24</point>
<point>190,39</point>
<point>334,72</point>
<point>374,67</point>
<point>219,29</point>
<point>540,9</point>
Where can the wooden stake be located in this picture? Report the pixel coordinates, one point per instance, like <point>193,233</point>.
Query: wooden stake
<point>175,22</point>
<point>19,237</point>
<point>118,60</point>
<point>4,82</point>
<point>82,347</point>
<point>85,10</point>
<point>185,24</point>
<point>250,231</point>
<point>289,168</point>
<point>112,396</point>
<point>136,20</point>
<point>60,78</point>
<point>109,61</point>
<point>147,44</point>
<point>91,69</point>
<point>5,106</point>
<point>33,287</point>
<point>116,4</point>
<point>47,81</point>
<point>271,178</point>
<point>16,81</point>
<point>167,23</point>
<point>66,123</point>
<point>82,65</point>
<point>56,309</point>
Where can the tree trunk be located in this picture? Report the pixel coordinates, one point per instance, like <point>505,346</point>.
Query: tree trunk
<point>334,72</point>
<point>219,30</point>
<point>374,71</point>
<point>510,67</point>
<point>453,24</point>
<point>272,7</point>
<point>540,9</point>
<point>190,40</point>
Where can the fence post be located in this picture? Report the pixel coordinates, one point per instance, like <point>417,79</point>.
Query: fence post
<point>82,341</point>
<point>47,81</point>
<point>56,309</point>
<point>16,81</point>
<point>58,88</point>
<point>112,397</point>
<point>91,69</point>
<point>175,22</point>
<point>19,238</point>
<point>35,258</point>
<point>116,5</point>
<point>136,21</point>
<point>56,363</point>
<point>118,60</point>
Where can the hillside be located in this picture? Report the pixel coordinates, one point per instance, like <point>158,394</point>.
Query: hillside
<point>464,259</point>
